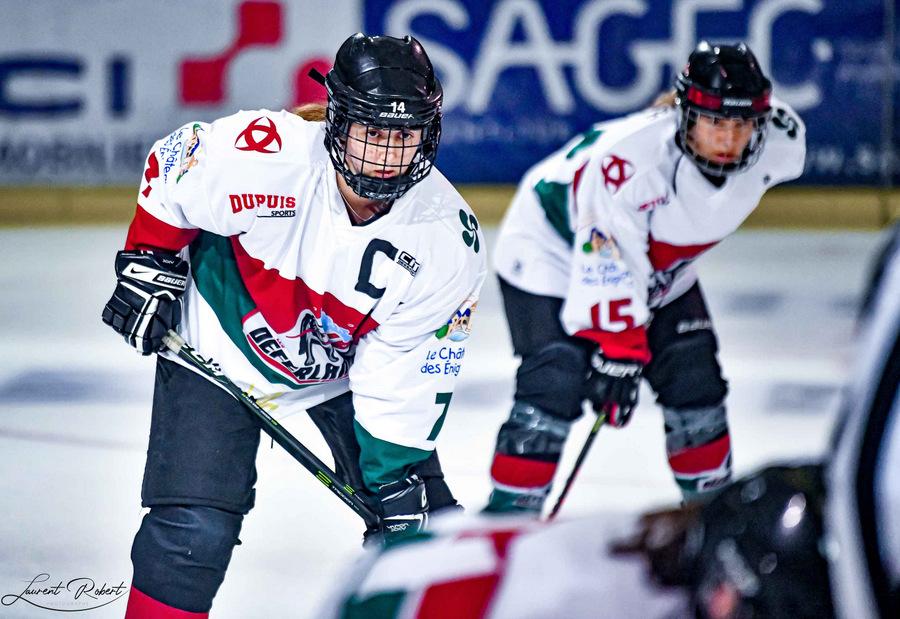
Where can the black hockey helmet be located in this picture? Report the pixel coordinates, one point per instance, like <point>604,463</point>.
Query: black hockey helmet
<point>758,548</point>
<point>386,83</point>
<point>723,81</point>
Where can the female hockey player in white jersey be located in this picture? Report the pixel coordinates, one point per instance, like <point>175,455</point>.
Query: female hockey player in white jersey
<point>325,267</point>
<point>595,261</point>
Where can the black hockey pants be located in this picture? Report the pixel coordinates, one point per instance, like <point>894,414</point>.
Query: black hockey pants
<point>684,373</point>
<point>199,478</point>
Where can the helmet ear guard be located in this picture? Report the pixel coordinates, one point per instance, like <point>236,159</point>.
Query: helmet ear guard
<point>723,82</point>
<point>387,84</point>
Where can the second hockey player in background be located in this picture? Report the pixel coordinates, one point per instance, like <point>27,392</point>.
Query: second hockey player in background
<point>595,259</point>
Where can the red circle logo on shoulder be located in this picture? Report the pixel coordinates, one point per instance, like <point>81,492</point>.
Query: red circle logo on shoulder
<point>615,172</point>
<point>260,136</point>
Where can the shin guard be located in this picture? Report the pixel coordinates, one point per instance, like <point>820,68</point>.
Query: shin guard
<point>529,446</point>
<point>180,555</point>
<point>698,447</point>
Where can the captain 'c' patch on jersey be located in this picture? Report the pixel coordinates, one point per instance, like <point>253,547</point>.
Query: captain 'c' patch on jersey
<point>260,136</point>
<point>616,172</point>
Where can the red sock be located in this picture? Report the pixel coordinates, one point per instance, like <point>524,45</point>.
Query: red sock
<point>521,472</point>
<point>142,606</point>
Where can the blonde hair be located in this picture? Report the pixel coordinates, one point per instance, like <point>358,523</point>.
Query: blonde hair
<point>313,112</point>
<point>666,99</point>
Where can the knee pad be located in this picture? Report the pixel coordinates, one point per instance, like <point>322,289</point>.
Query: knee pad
<point>686,374</point>
<point>552,379</point>
<point>532,433</point>
<point>180,554</point>
<point>698,447</point>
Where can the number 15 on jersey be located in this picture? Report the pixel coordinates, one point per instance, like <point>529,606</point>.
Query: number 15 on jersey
<point>613,315</point>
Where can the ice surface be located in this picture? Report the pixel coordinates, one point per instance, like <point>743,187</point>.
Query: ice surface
<point>75,412</point>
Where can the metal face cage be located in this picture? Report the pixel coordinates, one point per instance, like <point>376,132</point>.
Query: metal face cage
<point>379,161</point>
<point>749,156</point>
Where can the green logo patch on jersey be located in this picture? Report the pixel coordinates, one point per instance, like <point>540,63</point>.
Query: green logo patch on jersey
<point>470,234</point>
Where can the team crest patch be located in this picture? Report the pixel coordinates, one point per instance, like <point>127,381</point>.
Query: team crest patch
<point>459,326</point>
<point>605,245</point>
<point>315,350</point>
<point>260,136</point>
<point>616,172</point>
<point>189,156</point>
<point>170,151</point>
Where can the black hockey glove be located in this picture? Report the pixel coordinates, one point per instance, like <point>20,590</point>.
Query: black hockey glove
<point>404,507</point>
<point>145,303</point>
<point>612,387</point>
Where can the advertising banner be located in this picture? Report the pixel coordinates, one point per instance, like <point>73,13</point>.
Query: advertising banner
<point>520,75</point>
<point>85,87</point>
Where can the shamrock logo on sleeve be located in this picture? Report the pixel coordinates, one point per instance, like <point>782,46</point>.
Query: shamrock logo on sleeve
<point>470,234</point>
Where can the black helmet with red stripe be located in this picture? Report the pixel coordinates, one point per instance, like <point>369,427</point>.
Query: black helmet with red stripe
<point>723,82</point>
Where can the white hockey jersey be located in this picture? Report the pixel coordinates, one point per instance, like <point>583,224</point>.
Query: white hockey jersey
<point>296,304</point>
<point>506,568</point>
<point>612,222</point>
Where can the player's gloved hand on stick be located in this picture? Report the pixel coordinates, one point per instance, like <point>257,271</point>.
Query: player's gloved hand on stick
<point>146,302</point>
<point>612,387</point>
<point>404,507</point>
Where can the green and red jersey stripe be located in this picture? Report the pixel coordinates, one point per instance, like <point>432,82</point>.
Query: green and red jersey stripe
<point>219,266</point>
<point>281,300</point>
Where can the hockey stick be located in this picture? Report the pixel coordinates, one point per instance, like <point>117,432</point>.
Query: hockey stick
<point>279,434</point>
<point>601,419</point>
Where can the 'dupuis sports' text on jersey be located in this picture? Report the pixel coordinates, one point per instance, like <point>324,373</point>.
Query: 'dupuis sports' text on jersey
<point>613,221</point>
<point>296,304</point>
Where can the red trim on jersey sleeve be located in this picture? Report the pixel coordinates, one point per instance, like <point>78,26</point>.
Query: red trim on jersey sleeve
<point>575,182</point>
<point>281,300</point>
<point>148,232</point>
<point>696,460</point>
<point>521,472</point>
<point>142,606</point>
<point>663,255</point>
<point>627,344</point>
